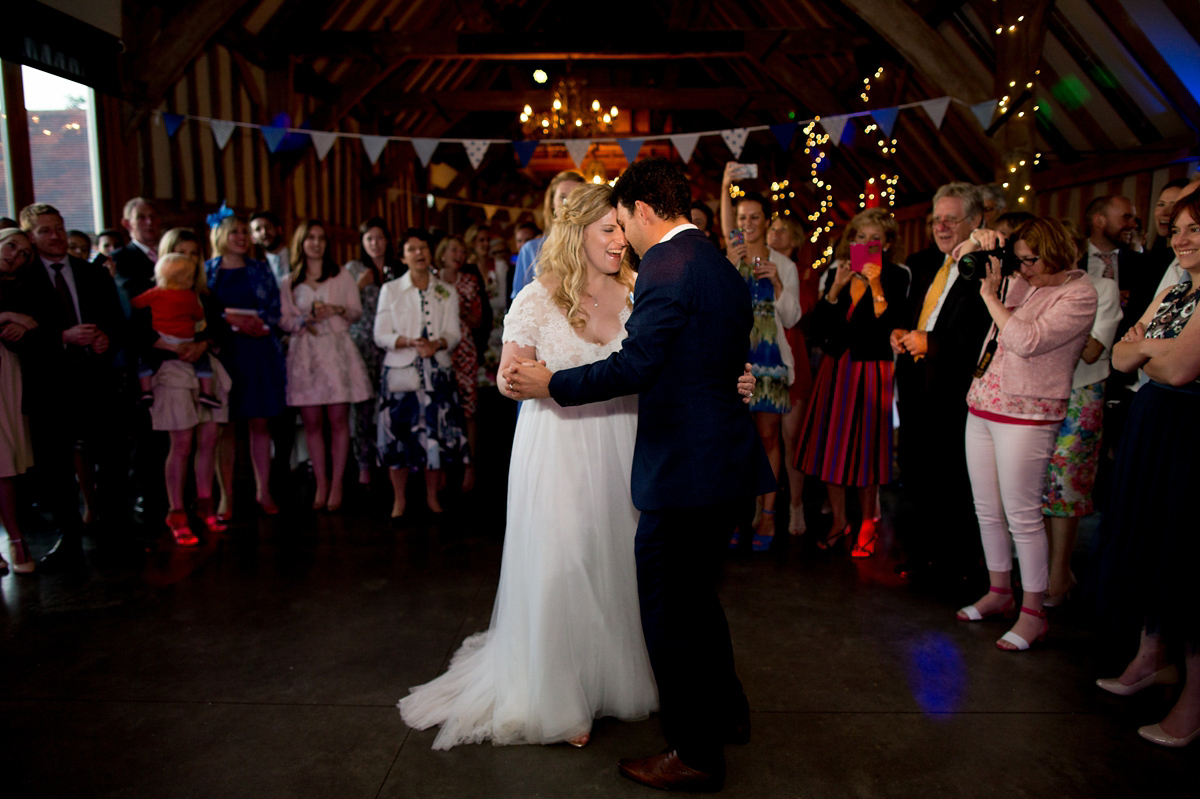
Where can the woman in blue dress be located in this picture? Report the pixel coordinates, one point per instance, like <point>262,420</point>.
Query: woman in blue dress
<point>247,291</point>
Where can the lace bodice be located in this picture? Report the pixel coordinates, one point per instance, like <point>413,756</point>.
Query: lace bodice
<point>535,321</point>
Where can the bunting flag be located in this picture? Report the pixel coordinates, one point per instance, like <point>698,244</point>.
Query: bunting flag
<point>685,143</point>
<point>489,211</point>
<point>735,140</point>
<point>172,122</point>
<point>984,111</point>
<point>221,131</point>
<point>835,126</point>
<point>476,150</point>
<point>937,110</point>
<point>886,119</point>
<point>272,136</point>
<point>578,150</point>
<point>525,150</point>
<point>425,148</point>
<point>322,142</point>
<point>374,147</point>
<point>441,203</point>
<point>630,147</point>
<point>784,134</point>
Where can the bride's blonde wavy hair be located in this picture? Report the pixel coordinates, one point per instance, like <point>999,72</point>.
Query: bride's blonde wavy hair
<point>562,257</point>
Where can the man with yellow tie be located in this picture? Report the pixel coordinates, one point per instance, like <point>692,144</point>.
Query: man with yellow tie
<point>935,360</point>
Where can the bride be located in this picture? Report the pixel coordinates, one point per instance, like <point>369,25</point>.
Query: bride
<point>565,643</point>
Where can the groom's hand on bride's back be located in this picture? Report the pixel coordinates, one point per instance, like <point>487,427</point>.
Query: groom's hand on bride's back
<point>745,385</point>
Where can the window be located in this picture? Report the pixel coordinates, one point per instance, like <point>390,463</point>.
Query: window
<point>62,146</point>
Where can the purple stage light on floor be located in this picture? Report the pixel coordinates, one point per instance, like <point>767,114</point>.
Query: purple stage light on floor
<point>937,674</point>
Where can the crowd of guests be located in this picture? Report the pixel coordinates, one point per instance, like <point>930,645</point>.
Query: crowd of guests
<point>1022,356</point>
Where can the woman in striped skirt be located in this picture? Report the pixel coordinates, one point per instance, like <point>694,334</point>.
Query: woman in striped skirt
<point>846,436</point>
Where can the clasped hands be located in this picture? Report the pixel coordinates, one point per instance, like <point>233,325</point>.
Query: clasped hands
<point>86,335</point>
<point>911,342</point>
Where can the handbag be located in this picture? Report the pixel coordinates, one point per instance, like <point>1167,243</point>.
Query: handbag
<point>402,379</point>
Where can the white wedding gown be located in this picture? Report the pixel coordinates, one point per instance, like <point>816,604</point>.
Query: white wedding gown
<point>565,643</point>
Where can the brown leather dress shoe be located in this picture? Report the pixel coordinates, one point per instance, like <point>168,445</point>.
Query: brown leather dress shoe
<point>667,772</point>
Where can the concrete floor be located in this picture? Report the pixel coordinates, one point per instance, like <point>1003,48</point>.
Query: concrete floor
<point>268,664</point>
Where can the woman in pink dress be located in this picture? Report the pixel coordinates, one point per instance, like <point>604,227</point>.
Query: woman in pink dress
<point>325,372</point>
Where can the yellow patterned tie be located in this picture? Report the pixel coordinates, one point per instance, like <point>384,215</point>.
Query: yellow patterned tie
<point>935,291</point>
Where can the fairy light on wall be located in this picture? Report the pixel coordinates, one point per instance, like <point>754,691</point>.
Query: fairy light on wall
<point>813,144</point>
<point>866,91</point>
<point>882,188</point>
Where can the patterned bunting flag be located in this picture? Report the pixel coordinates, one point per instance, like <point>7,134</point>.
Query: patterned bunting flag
<point>476,149</point>
<point>735,140</point>
<point>835,126</point>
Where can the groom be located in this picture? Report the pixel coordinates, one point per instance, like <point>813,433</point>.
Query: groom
<point>697,463</point>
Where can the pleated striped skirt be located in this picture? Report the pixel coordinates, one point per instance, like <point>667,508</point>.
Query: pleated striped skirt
<point>846,437</point>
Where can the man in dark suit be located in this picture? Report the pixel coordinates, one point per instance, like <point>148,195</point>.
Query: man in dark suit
<point>135,261</point>
<point>71,382</point>
<point>697,464</point>
<point>936,358</point>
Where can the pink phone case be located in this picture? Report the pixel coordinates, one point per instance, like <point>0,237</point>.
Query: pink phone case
<point>858,256</point>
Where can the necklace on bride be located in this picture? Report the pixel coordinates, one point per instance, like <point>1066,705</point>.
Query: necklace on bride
<point>595,301</point>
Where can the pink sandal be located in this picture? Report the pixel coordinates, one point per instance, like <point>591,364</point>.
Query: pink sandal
<point>971,613</point>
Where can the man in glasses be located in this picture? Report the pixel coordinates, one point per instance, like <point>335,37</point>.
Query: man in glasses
<point>936,357</point>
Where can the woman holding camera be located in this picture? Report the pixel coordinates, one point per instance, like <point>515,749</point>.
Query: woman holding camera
<point>1042,309</point>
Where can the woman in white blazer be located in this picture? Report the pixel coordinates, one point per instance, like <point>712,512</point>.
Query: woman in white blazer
<point>420,422</point>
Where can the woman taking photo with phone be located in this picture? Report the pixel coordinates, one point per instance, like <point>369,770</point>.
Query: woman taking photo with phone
<point>846,436</point>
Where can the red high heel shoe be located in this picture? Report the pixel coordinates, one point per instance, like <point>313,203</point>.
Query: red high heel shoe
<point>864,547</point>
<point>971,613</point>
<point>212,520</point>
<point>1019,644</point>
<point>177,520</point>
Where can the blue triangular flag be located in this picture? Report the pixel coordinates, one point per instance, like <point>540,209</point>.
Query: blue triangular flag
<point>525,150</point>
<point>630,147</point>
<point>784,134</point>
<point>272,136</point>
<point>984,111</point>
<point>172,122</point>
<point>886,119</point>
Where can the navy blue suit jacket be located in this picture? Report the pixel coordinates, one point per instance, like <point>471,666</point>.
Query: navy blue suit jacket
<point>688,337</point>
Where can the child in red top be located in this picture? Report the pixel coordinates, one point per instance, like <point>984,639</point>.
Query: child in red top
<point>176,316</point>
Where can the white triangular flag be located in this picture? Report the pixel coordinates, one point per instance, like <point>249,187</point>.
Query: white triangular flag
<point>374,146</point>
<point>834,126</point>
<point>476,149</point>
<point>322,142</point>
<point>578,149</point>
<point>221,131</point>
<point>735,140</point>
<point>425,148</point>
<point>984,111</point>
<point>685,143</point>
<point>937,110</point>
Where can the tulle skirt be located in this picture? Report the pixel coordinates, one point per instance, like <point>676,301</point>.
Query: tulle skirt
<point>565,643</point>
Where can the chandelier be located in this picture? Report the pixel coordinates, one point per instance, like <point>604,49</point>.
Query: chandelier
<point>568,116</point>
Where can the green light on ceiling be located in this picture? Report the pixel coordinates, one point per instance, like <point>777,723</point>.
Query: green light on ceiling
<point>1071,92</point>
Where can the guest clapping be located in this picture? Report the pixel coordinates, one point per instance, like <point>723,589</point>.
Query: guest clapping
<point>1041,316</point>
<point>846,436</point>
<point>325,373</point>
<point>420,424</point>
<point>248,291</point>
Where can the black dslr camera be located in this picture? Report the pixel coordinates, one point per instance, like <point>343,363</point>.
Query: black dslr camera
<point>973,265</point>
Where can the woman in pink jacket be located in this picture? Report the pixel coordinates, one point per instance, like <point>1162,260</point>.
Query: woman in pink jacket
<point>1041,317</point>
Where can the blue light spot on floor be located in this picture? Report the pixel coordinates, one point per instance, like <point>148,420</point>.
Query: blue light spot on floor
<point>937,674</point>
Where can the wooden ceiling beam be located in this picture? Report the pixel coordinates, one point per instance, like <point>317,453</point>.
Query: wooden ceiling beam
<point>627,45</point>
<point>636,98</point>
<point>913,38</point>
<point>1149,59</point>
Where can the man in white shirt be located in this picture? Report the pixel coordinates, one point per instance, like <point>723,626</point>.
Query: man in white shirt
<point>266,231</point>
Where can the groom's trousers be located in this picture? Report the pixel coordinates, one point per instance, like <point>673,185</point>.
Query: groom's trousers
<point>679,557</point>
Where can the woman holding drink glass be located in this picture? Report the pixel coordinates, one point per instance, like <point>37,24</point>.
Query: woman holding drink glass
<point>774,290</point>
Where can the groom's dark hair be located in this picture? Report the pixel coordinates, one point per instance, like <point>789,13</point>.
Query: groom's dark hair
<point>658,183</point>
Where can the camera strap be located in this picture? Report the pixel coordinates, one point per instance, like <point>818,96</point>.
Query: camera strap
<point>989,351</point>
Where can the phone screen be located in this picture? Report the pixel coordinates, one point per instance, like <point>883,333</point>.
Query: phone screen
<point>858,256</point>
